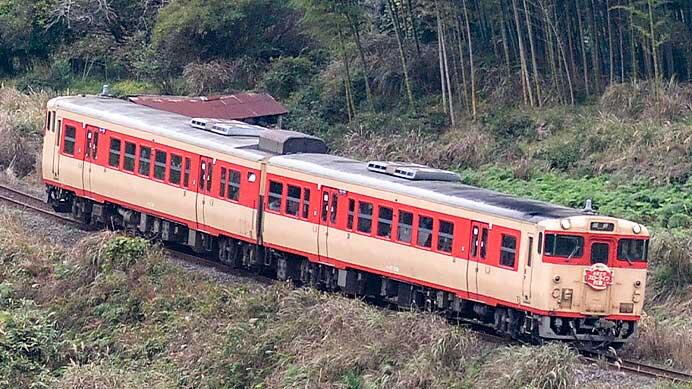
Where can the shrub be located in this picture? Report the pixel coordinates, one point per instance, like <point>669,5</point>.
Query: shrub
<point>209,77</point>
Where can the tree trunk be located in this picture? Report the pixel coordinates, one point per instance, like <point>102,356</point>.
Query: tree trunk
<point>611,55</point>
<point>596,54</point>
<point>526,83</point>
<point>414,25</point>
<point>652,32</point>
<point>505,45</point>
<point>570,44</point>
<point>350,106</point>
<point>443,84</point>
<point>622,50</point>
<point>364,64</point>
<point>473,76</point>
<point>402,54</point>
<point>460,41</point>
<point>536,78</point>
<point>633,49</point>
<point>585,67</point>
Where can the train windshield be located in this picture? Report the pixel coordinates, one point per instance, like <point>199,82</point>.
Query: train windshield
<point>633,250</point>
<point>567,246</point>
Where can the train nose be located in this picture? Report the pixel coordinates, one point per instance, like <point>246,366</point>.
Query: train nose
<point>596,291</point>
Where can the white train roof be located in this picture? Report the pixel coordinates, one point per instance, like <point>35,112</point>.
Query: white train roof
<point>442,192</point>
<point>170,125</point>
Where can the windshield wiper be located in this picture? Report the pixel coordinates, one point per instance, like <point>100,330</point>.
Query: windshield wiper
<point>576,248</point>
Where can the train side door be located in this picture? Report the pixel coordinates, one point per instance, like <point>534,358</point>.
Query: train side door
<point>329,203</point>
<point>528,271</point>
<point>204,189</point>
<point>90,155</point>
<point>477,255</point>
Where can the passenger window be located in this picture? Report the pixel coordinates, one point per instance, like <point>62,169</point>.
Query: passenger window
<point>145,161</point>
<point>405,226</point>
<point>425,227</point>
<point>160,165</point>
<point>351,213</point>
<point>222,189</point>
<point>95,146</point>
<point>474,242</point>
<point>599,253</point>
<point>70,140</point>
<point>276,190</point>
<point>384,222</point>
<point>568,246</point>
<point>484,243</point>
<point>445,237</point>
<point>306,203</point>
<point>176,167</point>
<point>334,210</point>
<point>130,150</point>
<point>325,206</point>
<point>114,157</point>
<point>186,176</point>
<point>57,136</point>
<point>210,176</point>
<point>293,200</point>
<point>233,185</point>
<point>364,217</point>
<point>508,251</point>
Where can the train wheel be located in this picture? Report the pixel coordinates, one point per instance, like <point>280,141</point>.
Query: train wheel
<point>228,252</point>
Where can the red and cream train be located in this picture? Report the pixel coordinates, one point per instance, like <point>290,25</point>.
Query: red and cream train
<point>405,234</point>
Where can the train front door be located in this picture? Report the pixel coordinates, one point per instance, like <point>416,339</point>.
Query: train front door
<point>90,155</point>
<point>328,212</point>
<point>477,254</point>
<point>204,190</point>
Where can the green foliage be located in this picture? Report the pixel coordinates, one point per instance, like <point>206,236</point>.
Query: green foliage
<point>29,344</point>
<point>551,366</point>
<point>133,88</point>
<point>635,200</point>
<point>286,75</point>
<point>121,253</point>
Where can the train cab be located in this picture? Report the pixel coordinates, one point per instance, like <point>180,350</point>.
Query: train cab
<point>593,272</point>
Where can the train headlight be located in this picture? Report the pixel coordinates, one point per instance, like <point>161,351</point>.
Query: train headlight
<point>636,228</point>
<point>565,224</point>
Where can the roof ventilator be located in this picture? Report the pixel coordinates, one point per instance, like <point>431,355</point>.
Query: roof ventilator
<point>412,171</point>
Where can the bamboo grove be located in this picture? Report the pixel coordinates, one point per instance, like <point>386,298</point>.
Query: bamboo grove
<point>548,51</point>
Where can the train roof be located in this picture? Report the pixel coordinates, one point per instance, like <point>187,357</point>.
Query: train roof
<point>444,192</point>
<point>170,125</point>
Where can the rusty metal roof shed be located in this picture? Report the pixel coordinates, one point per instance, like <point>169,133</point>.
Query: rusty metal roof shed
<point>241,106</point>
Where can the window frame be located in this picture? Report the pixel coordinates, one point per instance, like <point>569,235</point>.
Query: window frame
<point>445,236</point>
<point>178,170</point>
<point>72,140</point>
<point>640,260</point>
<point>381,221</point>
<point>158,164</point>
<point>147,161</point>
<point>134,157</point>
<point>293,200</point>
<point>111,153</point>
<point>410,227</point>
<point>233,188</point>
<point>271,195</point>
<point>506,249</point>
<point>431,236</point>
<point>365,216</point>
<point>305,203</point>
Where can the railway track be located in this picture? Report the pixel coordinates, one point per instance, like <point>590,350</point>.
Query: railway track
<point>36,204</point>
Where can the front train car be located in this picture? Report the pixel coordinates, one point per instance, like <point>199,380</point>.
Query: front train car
<point>591,279</point>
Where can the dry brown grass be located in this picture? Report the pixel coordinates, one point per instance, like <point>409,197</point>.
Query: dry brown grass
<point>465,148</point>
<point>21,120</point>
<point>550,366</point>
<point>664,343</point>
<point>648,100</point>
